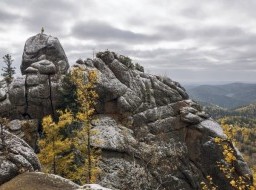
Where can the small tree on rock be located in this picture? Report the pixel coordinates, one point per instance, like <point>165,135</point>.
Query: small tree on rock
<point>9,70</point>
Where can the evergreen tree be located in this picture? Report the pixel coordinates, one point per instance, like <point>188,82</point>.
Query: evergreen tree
<point>68,96</point>
<point>9,70</point>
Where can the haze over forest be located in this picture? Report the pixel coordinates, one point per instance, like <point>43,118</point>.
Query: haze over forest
<point>189,41</point>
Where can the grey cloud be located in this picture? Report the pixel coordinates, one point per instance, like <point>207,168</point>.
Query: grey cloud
<point>219,36</point>
<point>97,47</point>
<point>6,17</point>
<point>232,46</point>
<point>218,31</point>
<point>102,31</point>
<point>52,15</point>
<point>172,32</point>
<point>194,67</point>
<point>210,33</point>
<point>195,59</point>
<point>193,12</point>
<point>38,20</point>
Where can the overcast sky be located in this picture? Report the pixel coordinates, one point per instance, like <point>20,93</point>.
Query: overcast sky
<point>188,40</point>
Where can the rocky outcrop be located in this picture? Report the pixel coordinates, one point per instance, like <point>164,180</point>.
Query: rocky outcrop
<point>34,95</point>
<point>152,136</point>
<point>26,130</point>
<point>42,181</point>
<point>16,157</point>
<point>44,47</point>
<point>36,180</point>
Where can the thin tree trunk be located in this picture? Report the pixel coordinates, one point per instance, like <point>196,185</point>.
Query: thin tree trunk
<point>50,96</point>
<point>54,157</point>
<point>89,155</point>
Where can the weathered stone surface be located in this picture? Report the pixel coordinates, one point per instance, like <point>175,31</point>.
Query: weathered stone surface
<point>38,180</point>
<point>14,125</point>
<point>42,181</point>
<point>2,94</point>
<point>152,136</point>
<point>93,187</point>
<point>31,70</point>
<point>113,137</point>
<point>17,92</point>
<point>42,46</point>
<point>26,130</point>
<point>5,107</point>
<point>36,94</point>
<point>16,157</point>
<point>32,80</point>
<point>80,61</point>
<point>45,67</point>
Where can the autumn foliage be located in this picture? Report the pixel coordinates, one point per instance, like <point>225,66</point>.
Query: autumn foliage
<point>235,136</point>
<point>66,148</point>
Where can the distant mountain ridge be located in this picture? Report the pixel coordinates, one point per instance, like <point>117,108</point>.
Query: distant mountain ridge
<point>227,96</point>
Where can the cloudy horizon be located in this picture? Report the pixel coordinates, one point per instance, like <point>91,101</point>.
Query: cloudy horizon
<point>189,41</point>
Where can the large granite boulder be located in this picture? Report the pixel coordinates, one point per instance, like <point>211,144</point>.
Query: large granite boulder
<point>151,134</point>
<point>16,157</point>
<point>42,46</point>
<point>38,180</point>
<point>42,181</point>
<point>26,130</point>
<point>34,95</point>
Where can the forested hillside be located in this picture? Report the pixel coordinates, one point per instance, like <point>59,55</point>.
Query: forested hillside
<point>227,96</point>
<point>240,125</point>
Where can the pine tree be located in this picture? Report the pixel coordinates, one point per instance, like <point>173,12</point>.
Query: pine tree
<point>9,70</point>
<point>68,96</point>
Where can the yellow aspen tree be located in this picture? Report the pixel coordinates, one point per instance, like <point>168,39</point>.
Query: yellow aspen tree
<point>86,99</point>
<point>55,148</point>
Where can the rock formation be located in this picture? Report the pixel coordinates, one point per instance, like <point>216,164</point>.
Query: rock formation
<point>16,157</point>
<point>38,180</point>
<point>151,134</point>
<point>26,130</point>
<point>34,94</point>
<point>45,49</point>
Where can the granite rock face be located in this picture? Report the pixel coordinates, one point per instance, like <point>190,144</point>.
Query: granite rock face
<point>34,95</point>
<point>42,181</point>
<point>152,135</point>
<point>38,180</point>
<point>26,130</point>
<point>44,47</point>
<point>16,157</point>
